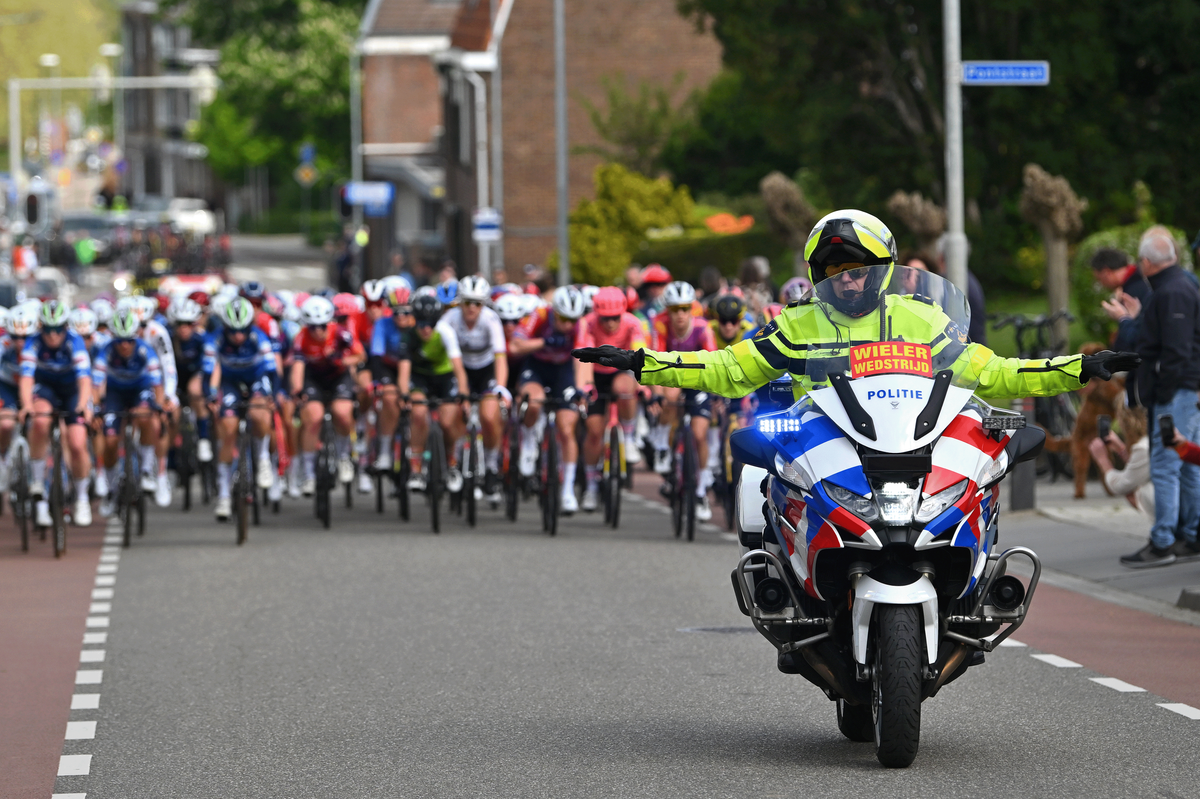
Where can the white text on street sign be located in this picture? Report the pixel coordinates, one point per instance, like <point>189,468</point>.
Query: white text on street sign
<point>486,226</point>
<point>368,192</point>
<point>1005,73</point>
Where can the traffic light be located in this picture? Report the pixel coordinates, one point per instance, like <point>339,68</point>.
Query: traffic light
<point>33,211</point>
<point>347,210</point>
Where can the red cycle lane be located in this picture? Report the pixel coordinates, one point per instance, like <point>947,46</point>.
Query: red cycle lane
<point>43,612</point>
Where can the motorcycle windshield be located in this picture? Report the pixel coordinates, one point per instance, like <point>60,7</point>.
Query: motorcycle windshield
<point>884,336</point>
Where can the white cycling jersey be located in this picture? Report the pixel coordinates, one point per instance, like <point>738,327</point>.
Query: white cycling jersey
<point>479,344</point>
<point>158,337</point>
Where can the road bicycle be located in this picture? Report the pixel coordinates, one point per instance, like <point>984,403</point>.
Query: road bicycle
<point>547,478</point>
<point>18,484</point>
<point>436,465</point>
<point>326,469</point>
<point>244,489</point>
<point>58,482</point>
<point>131,499</point>
<point>187,464</point>
<point>510,448</point>
<point>616,473</point>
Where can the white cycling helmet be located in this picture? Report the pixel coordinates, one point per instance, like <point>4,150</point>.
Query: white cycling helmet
<point>372,291</point>
<point>678,293</point>
<point>83,321</point>
<point>147,308</point>
<point>23,319</point>
<point>511,307</point>
<point>230,290</point>
<point>185,311</point>
<point>589,292</point>
<point>568,302</point>
<point>532,302</point>
<point>475,289</point>
<point>3,318</point>
<point>425,291</point>
<point>103,309</point>
<point>316,311</point>
<point>127,303</point>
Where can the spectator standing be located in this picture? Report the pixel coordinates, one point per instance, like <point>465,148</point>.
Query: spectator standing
<point>1168,341</point>
<point>975,299</point>
<point>1130,288</point>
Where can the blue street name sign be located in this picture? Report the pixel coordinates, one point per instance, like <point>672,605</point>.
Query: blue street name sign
<point>368,192</point>
<point>486,227</point>
<point>1005,73</point>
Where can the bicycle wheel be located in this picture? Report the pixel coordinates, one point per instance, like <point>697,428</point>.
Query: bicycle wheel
<point>676,483</point>
<point>512,471</point>
<point>726,477</point>
<point>20,495</point>
<point>141,512</point>
<point>326,474</point>
<point>184,463</point>
<point>437,468</point>
<point>691,469</point>
<point>401,471</point>
<point>551,479</point>
<point>616,445</point>
<point>470,479</point>
<point>606,478</point>
<point>57,495</point>
<point>129,485</point>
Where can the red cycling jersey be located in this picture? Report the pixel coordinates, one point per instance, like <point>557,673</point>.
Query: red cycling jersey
<point>630,335</point>
<point>700,337</point>
<point>325,361</point>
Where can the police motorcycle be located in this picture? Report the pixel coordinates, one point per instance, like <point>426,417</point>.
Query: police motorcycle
<point>872,565</point>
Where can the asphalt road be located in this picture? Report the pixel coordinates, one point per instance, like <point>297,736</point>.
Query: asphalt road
<point>377,659</point>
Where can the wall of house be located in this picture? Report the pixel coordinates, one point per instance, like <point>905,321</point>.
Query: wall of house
<point>401,102</point>
<point>643,39</point>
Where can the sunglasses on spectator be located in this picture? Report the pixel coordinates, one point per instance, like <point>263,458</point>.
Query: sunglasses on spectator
<point>837,269</point>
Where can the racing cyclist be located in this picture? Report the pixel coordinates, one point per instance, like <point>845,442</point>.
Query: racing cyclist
<point>609,323</point>
<point>85,324</point>
<point>129,380</point>
<point>187,335</point>
<point>484,357</point>
<point>158,337</point>
<point>56,375</point>
<point>730,324</point>
<point>383,366</point>
<point>20,324</point>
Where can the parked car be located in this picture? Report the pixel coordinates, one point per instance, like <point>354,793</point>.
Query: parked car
<point>191,215</point>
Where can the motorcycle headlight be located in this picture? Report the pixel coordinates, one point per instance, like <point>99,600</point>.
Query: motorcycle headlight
<point>789,473</point>
<point>936,504</point>
<point>860,506</point>
<point>897,501</point>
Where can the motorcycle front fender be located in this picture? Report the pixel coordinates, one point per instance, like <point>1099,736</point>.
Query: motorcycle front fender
<point>868,593</point>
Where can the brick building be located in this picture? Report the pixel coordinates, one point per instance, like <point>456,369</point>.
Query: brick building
<point>510,43</point>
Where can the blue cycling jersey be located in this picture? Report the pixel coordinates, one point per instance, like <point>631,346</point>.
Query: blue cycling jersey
<point>99,341</point>
<point>189,354</point>
<point>10,356</point>
<point>57,366</point>
<point>141,370</point>
<point>243,363</point>
<point>387,341</point>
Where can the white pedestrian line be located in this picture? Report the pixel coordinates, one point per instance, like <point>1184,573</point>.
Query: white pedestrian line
<point>110,558</point>
<point>68,796</point>
<point>88,676</point>
<point>100,607</point>
<point>74,765</point>
<point>95,638</point>
<point>1184,710</point>
<point>85,701</point>
<point>106,568</point>
<point>1011,642</point>
<point>102,593</point>
<point>91,656</point>
<point>1118,685</point>
<point>97,621</point>
<point>1055,660</point>
<point>81,730</point>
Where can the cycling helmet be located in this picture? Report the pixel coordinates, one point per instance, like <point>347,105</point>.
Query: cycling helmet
<point>185,311</point>
<point>125,324</point>
<point>511,308</point>
<point>219,303</point>
<point>3,318</point>
<point>851,237</point>
<point>398,296</point>
<point>104,311</point>
<point>229,290</point>
<point>729,308</point>
<point>474,288</point>
<point>83,321</point>
<point>655,274</point>
<point>504,288</point>
<point>447,293</point>
<point>162,303</point>
<point>316,311</point>
<point>632,300</point>
<point>678,293</point>
<point>292,314</point>
<point>609,301</point>
<point>253,290</point>
<point>425,291</point>
<point>238,314</point>
<point>273,306</point>
<point>54,313</point>
<point>568,302</point>
<point>769,312</point>
<point>344,305</point>
<point>201,298</point>
<point>532,302</point>
<point>794,290</point>
<point>373,291</point>
<point>22,320</point>
<point>360,304</point>
<point>300,298</point>
<point>427,310</point>
<point>589,294</point>
<point>147,307</point>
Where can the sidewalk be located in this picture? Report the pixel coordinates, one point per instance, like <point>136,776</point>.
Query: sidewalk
<point>1084,538</point>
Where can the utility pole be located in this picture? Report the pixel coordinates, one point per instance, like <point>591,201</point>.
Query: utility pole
<point>956,237</point>
<point>560,141</point>
<point>356,152</point>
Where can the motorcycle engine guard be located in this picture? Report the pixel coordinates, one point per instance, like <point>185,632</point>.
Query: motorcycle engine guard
<point>868,593</point>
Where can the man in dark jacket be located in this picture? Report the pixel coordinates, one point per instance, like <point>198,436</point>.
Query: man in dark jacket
<point>1168,340</point>
<point>1130,288</point>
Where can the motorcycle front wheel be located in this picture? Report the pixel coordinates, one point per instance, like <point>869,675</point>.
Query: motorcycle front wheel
<point>896,703</point>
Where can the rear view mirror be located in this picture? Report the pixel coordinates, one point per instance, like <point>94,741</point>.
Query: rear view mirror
<point>1025,444</point>
<point>750,447</point>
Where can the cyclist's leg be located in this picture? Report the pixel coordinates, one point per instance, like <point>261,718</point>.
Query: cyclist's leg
<point>227,424</point>
<point>418,428</point>
<point>312,412</point>
<point>626,388</point>
<point>260,417</point>
<point>593,442</point>
<point>569,447</point>
<point>39,436</point>
<point>195,393</point>
<point>531,426</point>
<point>660,433</point>
<point>169,428</point>
<point>383,381</point>
<point>699,405</point>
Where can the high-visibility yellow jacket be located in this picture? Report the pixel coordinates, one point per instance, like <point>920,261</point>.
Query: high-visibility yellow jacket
<point>814,329</point>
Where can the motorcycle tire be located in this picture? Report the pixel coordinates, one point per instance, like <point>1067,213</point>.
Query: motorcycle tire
<point>855,722</point>
<point>896,699</point>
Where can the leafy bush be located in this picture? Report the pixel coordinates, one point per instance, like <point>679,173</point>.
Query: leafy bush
<point>685,257</point>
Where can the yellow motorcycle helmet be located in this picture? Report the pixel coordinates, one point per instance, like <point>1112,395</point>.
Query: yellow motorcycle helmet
<point>850,236</point>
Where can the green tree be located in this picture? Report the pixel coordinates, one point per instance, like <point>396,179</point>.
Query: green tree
<point>852,90</point>
<point>635,126</point>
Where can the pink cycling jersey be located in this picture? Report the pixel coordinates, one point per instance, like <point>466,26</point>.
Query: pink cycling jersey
<point>700,337</point>
<point>630,335</point>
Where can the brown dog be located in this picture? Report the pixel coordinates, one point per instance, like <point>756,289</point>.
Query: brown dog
<point>1100,398</point>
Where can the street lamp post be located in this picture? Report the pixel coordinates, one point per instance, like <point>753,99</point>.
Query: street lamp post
<point>560,141</point>
<point>956,237</point>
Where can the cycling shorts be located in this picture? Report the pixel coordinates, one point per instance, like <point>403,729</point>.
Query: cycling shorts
<point>382,374</point>
<point>434,387</point>
<point>64,398</point>
<point>343,388</point>
<point>233,393</point>
<point>557,378</point>
<point>603,382</point>
<point>697,402</point>
<point>10,398</point>
<point>482,380</point>
<point>118,402</point>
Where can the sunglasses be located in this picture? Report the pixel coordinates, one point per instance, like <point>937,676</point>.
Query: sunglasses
<point>610,319</point>
<point>837,269</point>
<point>424,325</point>
<point>680,308</point>
<point>729,321</point>
<point>315,327</point>
<point>473,303</point>
<point>56,330</point>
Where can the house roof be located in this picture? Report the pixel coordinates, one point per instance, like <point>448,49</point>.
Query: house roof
<point>473,25</point>
<point>409,17</point>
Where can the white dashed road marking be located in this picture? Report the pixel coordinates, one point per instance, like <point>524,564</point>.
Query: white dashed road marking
<point>1117,685</point>
<point>91,656</point>
<point>1184,710</point>
<point>85,701</point>
<point>1011,642</point>
<point>97,621</point>
<point>1055,660</point>
<point>88,676</point>
<point>81,730</point>
<point>74,765</point>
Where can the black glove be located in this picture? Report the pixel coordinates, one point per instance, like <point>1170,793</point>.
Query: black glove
<point>617,358</point>
<point>1103,364</point>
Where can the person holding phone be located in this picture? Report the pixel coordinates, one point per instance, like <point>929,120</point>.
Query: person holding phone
<point>1132,482</point>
